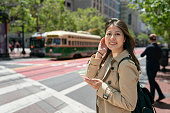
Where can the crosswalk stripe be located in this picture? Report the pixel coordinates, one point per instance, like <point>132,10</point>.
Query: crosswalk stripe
<point>24,102</point>
<point>47,92</point>
<point>74,104</point>
<point>73,88</point>
<point>14,88</point>
<point>11,77</point>
<point>67,110</point>
<point>23,64</point>
<point>6,70</point>
<point>2,67</point>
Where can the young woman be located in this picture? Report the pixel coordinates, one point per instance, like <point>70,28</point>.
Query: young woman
<point>114,94</point>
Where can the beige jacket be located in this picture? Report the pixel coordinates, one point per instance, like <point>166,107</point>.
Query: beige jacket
<point>122,94</point>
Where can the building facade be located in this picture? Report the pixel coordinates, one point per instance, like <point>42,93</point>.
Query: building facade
<point>131,18</point>
<point>109,8</point>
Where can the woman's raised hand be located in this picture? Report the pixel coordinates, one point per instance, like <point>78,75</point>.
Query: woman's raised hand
<point>102,49</point>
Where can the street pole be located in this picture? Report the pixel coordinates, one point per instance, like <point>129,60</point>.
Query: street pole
<point>23,42</point>
<point>7,40</point>
<point>3,35</point>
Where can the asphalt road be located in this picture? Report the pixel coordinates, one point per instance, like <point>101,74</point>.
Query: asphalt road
<point>57,84</point>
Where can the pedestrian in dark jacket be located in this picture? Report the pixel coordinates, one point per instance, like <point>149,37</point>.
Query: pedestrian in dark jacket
<point>153,55</point>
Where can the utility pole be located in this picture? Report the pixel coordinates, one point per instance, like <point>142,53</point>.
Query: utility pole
<point>23,42</point>
<point>22,26</point>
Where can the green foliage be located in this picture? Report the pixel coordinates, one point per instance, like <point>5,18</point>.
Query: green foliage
<point>132,33</point>
<point>90,18</point>
<point>51,15</point>
<point>156,14</point>
<point>143,36</point>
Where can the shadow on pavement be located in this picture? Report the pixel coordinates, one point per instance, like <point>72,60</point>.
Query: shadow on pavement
<point>162,105</point>
<point>164,75</point>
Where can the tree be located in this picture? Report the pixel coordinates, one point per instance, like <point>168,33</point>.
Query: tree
<point>50,15</point>
<point>90,18</point>
<point>132,33</point>
<point>36,15</point>
<point>156,14</point>
<point>143,36</point>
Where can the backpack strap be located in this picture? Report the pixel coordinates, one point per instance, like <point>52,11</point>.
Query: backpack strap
<point>125,58</point>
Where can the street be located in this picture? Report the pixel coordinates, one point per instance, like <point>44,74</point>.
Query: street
<point>41,85</point>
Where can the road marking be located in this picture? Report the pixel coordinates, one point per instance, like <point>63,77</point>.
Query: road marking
<point>84,65</point>
<point>25,64</point>
<point>50,63</point>
<point>6,70</point>
<point>12,77</point>
<point>24,102</point>
<point>34,98</point>
<point>73,88</point>
<point>66,110</point>
<point>74,104</point>
<point>14,88</point>
<point>2,67</point>
<point>59,64</point>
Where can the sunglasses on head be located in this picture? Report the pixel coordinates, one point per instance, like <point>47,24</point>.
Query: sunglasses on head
<point>113,19</point>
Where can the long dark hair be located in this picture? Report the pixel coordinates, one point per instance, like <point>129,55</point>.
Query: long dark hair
<point>129,43</point>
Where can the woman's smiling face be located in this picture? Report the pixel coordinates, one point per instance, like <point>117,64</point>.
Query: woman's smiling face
<point>114,39</point>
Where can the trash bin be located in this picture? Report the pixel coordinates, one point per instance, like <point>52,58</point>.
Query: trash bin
<point>164,58</point>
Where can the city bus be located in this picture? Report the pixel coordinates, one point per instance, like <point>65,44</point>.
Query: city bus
<point>37,42</point>
<point>64,44</point>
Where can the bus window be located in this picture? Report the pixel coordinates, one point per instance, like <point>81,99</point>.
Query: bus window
<point>56,41</point>
<point>49,41</point>
<point>36,43</point>
<point>64,41</point>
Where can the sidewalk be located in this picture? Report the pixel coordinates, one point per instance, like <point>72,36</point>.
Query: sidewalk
<point>163,79</point>
<point>17,53</point>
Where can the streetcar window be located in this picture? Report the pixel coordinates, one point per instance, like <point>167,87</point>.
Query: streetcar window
<point>56,41</point>
<point>69,42</point>
<point>49,41</point>
<point>64,41</point>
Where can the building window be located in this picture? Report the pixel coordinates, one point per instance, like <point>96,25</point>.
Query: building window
<point>97,7</point>
<point>68,4</point>
<point>94,5</point>
<point>105,10</point>
<point>129,19</point>
<point>110,11</point>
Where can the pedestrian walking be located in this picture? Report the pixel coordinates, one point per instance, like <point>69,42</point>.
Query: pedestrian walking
<point>153,55</point>
<point>11,46</point>
<point>17,45</point>
<point>115,93</point>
